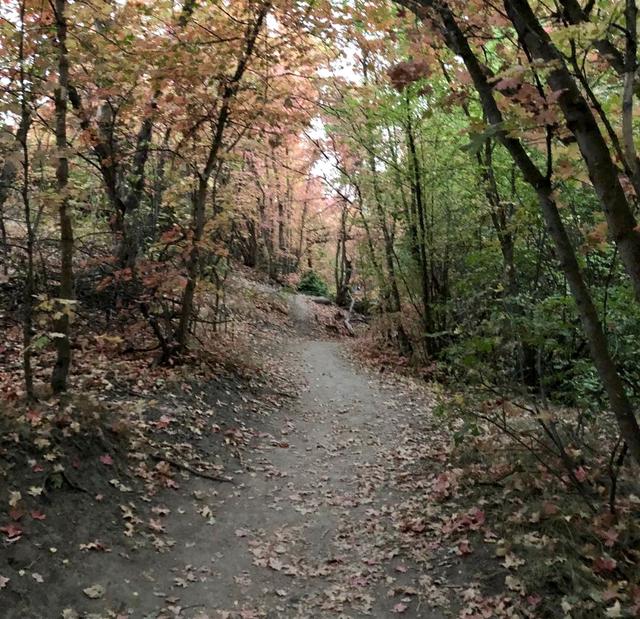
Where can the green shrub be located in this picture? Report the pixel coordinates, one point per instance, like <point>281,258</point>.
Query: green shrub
<point>312,284</point>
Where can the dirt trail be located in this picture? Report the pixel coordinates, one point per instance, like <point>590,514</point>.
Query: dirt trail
<point>306,531</point>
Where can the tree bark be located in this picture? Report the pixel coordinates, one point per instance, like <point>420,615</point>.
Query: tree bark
<point>419,237</point>
<point>63,310</point>
<point>630,68</point>
<point>8,176</point>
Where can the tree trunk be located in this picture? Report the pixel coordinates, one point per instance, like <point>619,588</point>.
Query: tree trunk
<point>200,196</point>
<point>420,236</point>
<point>343,265</point>
<point>10,169</point>
<point>65,295</point>
<point>8,176</point>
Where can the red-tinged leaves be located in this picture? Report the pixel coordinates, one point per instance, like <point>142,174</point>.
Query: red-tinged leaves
<point>104,283</point>
<point>474,519</point>
<point>399,608</point>
<point>12,531</point>
<point>415,525</point>
<point>604,565</point>
<point>405,73</point>
<point>609,537</point>
<point>164,422</point>
<point>171,235</point>
<point>533,601</point>
<point>581,474</point>
<point>106,459</point>
<point>34,417</point>
<point>38,515</point>
<point>16,513</point>
<point>4,581</point>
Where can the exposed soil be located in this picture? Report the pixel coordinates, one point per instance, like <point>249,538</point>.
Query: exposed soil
<point>314,523</point>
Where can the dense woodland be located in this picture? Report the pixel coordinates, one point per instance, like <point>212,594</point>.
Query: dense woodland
<point>462,177</point>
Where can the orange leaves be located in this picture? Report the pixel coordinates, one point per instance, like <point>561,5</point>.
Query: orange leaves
<point>596,238</point>
<point>172,235</point>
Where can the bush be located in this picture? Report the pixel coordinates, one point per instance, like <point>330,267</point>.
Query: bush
<point>312,284</point>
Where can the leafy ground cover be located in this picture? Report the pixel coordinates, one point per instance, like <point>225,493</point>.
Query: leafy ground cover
<point>312,485</point>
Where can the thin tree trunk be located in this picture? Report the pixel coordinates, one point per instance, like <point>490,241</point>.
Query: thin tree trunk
<point>394,300</point>
<point>343,266</point>
<point>421,237</point>
<point>200,196</point>
<point>60,372</point>
<point>500,219</point>
<point>10,169</point>
<point>631,66</point>
<point>8,175</point>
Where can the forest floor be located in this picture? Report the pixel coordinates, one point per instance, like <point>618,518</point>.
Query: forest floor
<point>335,498</point>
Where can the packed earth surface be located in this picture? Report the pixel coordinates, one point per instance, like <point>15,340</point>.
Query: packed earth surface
<point>329,504</point>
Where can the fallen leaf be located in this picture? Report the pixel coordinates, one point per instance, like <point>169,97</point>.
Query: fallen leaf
<point>581,474</point>
<point>464,547</point>
<point>604,564</point>
<point>16,513</point>
<point>276,564</point>
<point>12,530</point>
<point>156,525</point>
<point>514,584</point>
<point>96,545</point>
<point>94,592</point>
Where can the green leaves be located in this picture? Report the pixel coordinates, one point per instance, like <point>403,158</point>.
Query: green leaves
<point>478,140</point>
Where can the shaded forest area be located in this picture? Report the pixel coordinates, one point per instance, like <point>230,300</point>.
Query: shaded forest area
<point>460,179</point>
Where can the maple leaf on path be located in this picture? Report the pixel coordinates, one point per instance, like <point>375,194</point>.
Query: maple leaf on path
<point>399,608</point>
<point>12,530</point>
